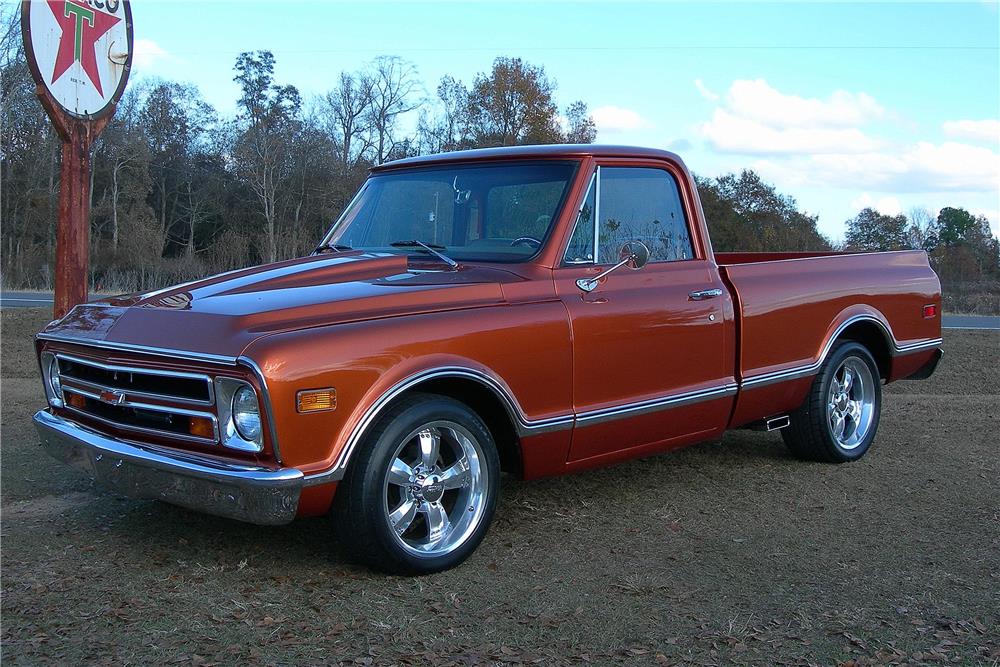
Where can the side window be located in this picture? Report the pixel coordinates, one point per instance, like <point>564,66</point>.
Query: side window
<point>642,204</point>
<point>635,204</point>
<point>581,246</point>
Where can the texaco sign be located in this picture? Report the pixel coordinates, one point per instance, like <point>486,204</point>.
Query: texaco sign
<point>80,51</point>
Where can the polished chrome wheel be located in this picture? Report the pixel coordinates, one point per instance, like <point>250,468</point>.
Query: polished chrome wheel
<point>851,403</point>
<point>435,492</point>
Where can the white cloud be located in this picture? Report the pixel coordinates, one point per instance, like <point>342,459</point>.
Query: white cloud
<point>617,119</point>
<point>146,52</point>
<point>987,131</point>
<point>757,100</point>
<point>920,168</point>
<point>885,205</point>
<point>831,142</point>
<point>705,92</point>
<point>732,133</point>
<point>757,119</point>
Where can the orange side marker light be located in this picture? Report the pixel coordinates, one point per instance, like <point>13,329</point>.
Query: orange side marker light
<point>316,400</point>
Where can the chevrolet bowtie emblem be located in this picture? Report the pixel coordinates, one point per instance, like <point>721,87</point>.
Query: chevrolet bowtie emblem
<point>112,397</point>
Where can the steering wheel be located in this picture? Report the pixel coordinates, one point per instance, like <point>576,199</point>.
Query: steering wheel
<point>528,241</point>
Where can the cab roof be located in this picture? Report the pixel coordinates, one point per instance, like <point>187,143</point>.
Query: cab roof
<point>549,151</point>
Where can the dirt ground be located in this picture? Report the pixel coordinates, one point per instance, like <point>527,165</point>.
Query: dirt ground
<point>723,553</point>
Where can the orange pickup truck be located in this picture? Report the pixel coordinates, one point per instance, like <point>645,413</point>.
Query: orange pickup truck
<point>530,310</point>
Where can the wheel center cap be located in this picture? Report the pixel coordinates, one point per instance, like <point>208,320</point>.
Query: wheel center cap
<point>432,489</point>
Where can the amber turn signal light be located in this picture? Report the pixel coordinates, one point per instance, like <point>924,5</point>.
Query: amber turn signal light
<point>201,427</point>
<point>930,311</point>
<point>316,400</point>
<point>76,400</point>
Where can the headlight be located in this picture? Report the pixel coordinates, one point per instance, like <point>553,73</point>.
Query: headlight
<point>246,414</point>
<point>51,381</point>
<point>55,382</point>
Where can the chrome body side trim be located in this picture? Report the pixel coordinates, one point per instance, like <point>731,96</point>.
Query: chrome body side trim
<point>654,405</point>
<point>527,427</point>
<point>243,492</point>
<point>909,348</point>
<point>523,425</point>
<point>142,349</point>
<point>896,350</point>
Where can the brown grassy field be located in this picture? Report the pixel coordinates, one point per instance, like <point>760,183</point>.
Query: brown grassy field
<point>722,553</point>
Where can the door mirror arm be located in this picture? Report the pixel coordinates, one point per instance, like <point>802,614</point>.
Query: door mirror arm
<point>633,254</point>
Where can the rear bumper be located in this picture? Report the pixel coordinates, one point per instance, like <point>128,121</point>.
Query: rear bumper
<point>246,493</point>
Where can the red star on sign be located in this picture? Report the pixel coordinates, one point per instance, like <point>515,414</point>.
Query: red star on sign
<point>81,27</point>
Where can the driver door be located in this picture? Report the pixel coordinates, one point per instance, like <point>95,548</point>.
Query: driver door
<point>652,364</point>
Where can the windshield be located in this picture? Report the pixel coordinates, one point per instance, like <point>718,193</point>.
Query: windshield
<point>499,212</point>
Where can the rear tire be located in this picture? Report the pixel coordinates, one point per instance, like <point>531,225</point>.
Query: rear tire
<point>421,489</point>
<point>838,421</point>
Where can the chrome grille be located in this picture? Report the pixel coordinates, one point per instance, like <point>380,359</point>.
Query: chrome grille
<point>138,399</point>
<point>192,388</point>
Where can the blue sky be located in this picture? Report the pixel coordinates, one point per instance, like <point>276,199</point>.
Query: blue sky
<point>841,105</point>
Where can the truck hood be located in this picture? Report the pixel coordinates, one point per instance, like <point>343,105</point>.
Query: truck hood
<point>222,314</point>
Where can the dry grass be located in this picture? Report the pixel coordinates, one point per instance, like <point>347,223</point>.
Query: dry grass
<point>718,554</point>
<point>971,298</point>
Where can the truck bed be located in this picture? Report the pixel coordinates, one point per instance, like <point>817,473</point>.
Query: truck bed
<point>790,307</point>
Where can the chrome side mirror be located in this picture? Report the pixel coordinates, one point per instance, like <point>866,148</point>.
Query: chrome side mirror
<point>633,254</point>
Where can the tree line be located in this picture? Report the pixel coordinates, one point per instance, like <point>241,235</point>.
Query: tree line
<point>179,190</point>
<point>961,245</point>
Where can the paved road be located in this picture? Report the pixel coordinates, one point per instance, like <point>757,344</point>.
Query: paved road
<point>25,299</point>
<point>43,299</point>
<point>971,322</point>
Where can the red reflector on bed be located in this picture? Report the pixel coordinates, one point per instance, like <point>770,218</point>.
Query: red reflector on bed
<point>930,311</point>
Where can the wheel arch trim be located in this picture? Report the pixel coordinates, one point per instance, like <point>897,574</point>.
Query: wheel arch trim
<point>522,425</point>
<point>895,349</point>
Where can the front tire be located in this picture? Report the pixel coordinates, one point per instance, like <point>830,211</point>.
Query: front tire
<point>839,419</point>
<point>421,490</point>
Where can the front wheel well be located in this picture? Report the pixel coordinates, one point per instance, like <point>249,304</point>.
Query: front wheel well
<point>491,409</point>
<point>873,337</point>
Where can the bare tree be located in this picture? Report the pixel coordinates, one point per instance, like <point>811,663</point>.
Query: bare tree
<point>347,106</point>
<point>394,84</point>
<point>923,229</point>
<point>268,121</point>
<point>445,130</point>
<point>122,147</point>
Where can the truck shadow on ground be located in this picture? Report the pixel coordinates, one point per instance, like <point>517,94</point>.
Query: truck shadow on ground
<point>526,509</point>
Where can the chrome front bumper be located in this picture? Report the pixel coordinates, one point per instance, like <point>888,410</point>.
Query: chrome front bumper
<point>247,493</point>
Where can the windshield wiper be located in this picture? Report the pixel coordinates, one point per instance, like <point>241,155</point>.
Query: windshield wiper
<point>331,246</point>
<point>429,248</point>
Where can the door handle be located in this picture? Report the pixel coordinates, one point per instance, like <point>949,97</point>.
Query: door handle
<point>701,295</point>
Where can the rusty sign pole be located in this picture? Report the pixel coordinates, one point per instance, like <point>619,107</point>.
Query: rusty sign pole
<point>76,51</point>
<point>73,231</point>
